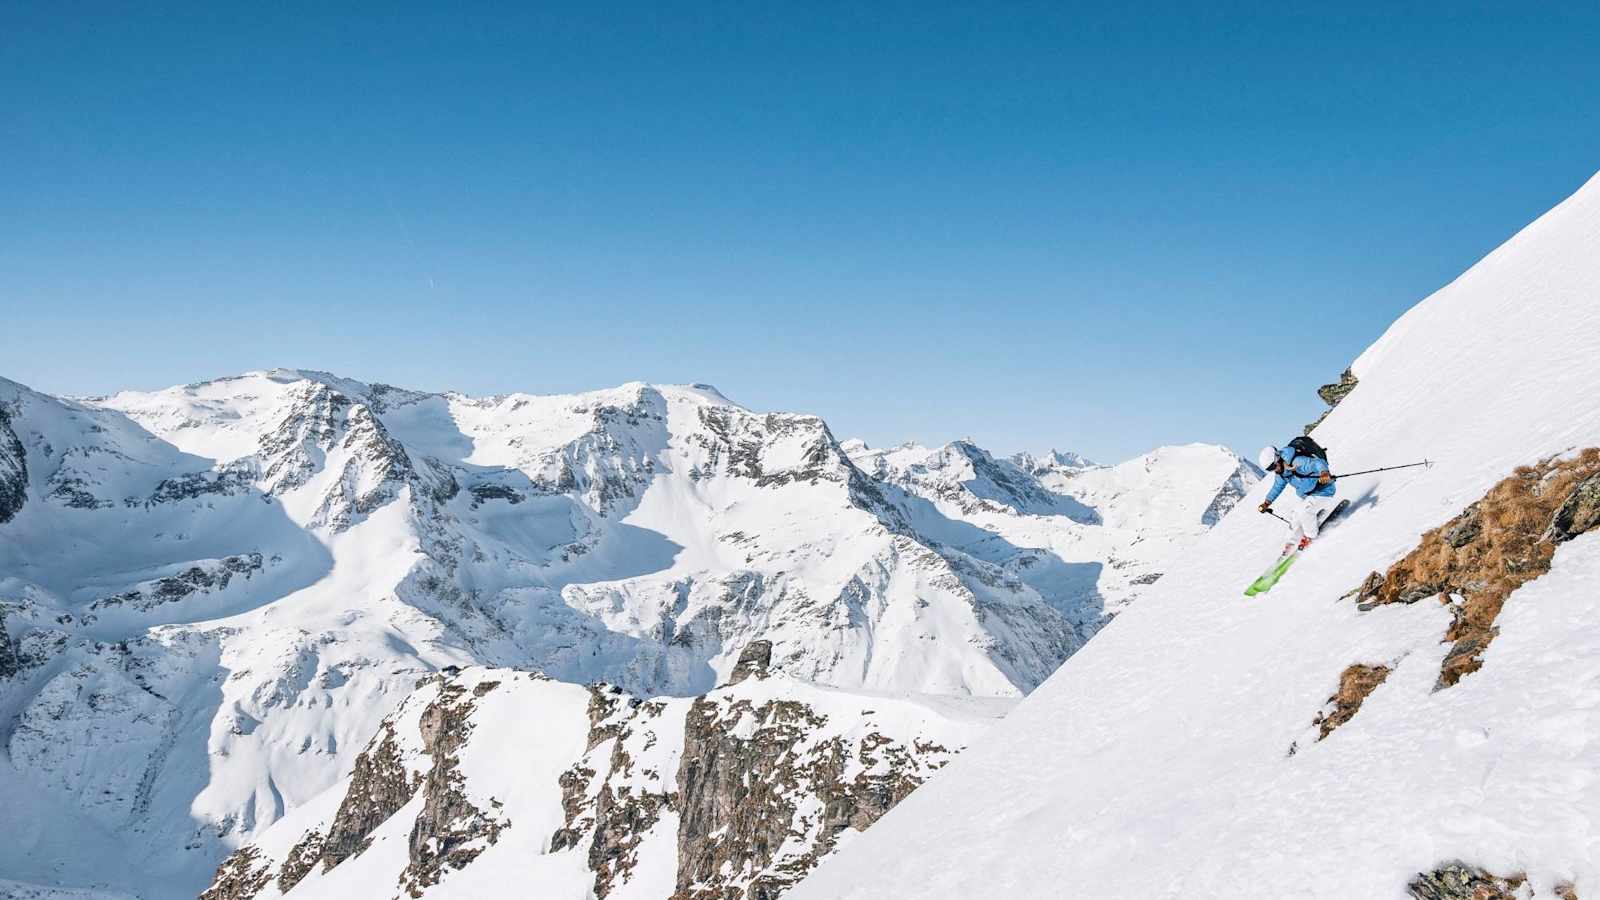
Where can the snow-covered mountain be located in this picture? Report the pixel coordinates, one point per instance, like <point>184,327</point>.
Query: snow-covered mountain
<point>1055,461</point>
<point>1156,491</point>
<point>1413,711</point>
<point>211,596</point>
<point>1092,536</point>
<point>736,793</point>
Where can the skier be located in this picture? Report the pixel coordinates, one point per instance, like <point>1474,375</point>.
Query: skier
<point>1305,465</point>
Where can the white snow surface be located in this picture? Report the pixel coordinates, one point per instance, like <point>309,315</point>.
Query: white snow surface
<point>217,591</point>
<point>1155,763</point>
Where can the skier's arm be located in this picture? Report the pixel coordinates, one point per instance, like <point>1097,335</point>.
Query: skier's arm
<point>1312,467</point>
<point>1278,484</point>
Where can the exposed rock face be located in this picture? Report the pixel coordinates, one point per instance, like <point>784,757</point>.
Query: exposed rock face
<point>483,493</point>
<point>225,482</point>
<point>13,469</point>
<point>1476,560</point>
<point>753,661</point>
<point>616,808</point>
<point>301,859</point>
<point>1332,394</point>
<point>204,578</point>
<point>1231,492</point>
<point>240,877</point>
<point>319,421</point>
<point>379,785</point>
<point>450,831</point>
<point>9,663</point>
<point>1579,513</point>
<point>763,800</point>
<point>1355,684</point>
<point>1459,881</point>
<point>735,795</point>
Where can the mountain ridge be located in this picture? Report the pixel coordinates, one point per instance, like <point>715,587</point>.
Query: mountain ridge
<point>212,594</point>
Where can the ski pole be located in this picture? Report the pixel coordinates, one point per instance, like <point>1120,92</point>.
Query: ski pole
<point>1426,462</point>
<point>1280,518</point>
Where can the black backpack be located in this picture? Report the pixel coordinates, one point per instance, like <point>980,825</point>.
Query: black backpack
<point>1305,446</point>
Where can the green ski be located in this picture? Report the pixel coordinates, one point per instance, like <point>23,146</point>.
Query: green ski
<point>1270,576</point>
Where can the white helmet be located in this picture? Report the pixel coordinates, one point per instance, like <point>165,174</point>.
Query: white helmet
<point>1267,457</point>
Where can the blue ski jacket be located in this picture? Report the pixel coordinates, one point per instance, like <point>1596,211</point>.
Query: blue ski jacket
<point>1303,475</point>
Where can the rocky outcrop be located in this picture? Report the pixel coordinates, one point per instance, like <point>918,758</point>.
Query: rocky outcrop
<point>1333,394</point>
<point>380,784</point>
<point>1232,491</point>
<point>323,426</point>
<point>1475,561</point>
<point>205,577</point>
<point>742,445</point>
<point>10,663</point>
<point>292,450</point>
<point>735,795</point>
<point>754,661</point>
<point>1356,683</point>
<point>764,796</point>
<point>1460,881</point>
<point>483,493</point>
<point>614,798</point>
<point>240,877</point>
<point>13,470</point>
<point>1579,513</point>
<point>302,858</point>
<point>450,831</point>
<point>233,479</point>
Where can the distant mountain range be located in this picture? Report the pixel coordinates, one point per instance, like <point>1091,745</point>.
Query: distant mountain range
<point>212,596</point>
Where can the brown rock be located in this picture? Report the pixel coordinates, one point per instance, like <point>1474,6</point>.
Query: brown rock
<point>754,660</point>
<point>1494,546</point>
<point>1356,683</point>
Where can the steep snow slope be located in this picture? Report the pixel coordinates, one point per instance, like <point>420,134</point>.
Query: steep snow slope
<point>1157,762</point>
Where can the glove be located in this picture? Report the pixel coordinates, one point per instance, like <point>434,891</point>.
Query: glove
<point>1266,506</point>
<point>1324,478</point>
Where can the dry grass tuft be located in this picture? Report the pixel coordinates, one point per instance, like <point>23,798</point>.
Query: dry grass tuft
<point>1355,684</point>
<point>1493,547</point>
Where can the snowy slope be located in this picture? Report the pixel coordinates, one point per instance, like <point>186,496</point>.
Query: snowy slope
<point>1157,762</point>
<point>211,595</point>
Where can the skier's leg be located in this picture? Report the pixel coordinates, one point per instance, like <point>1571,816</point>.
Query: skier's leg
<point>1310,512</point>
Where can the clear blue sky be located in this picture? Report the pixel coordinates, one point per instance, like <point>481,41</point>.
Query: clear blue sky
<point>1036,225</point>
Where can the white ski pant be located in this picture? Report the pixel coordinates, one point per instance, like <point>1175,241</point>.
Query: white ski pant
<point>1311,509</point>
